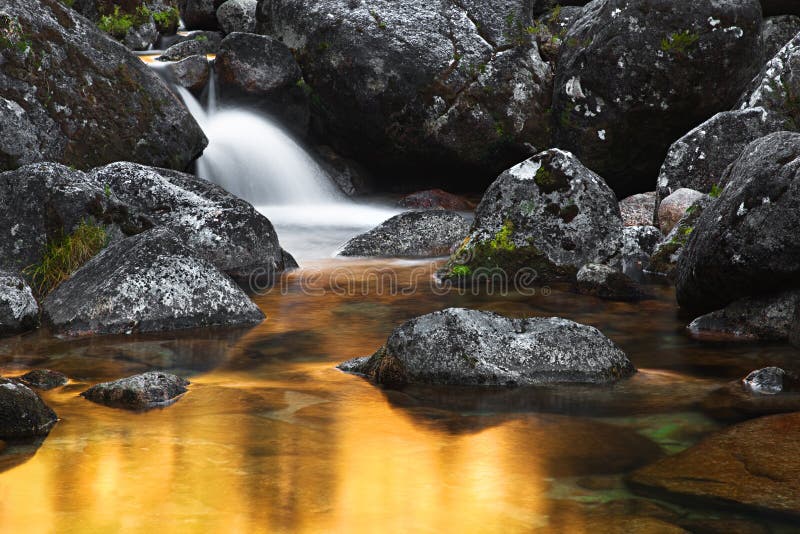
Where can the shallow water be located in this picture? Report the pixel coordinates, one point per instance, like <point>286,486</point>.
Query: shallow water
<point>271,437</point>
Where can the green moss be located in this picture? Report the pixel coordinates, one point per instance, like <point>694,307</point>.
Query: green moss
<point>682,235</point>
<point>119,22</point>
<point>201,38</point>
<point>65,255</point>
<point>461,270</point>
<point>502,239</point>
<point>12,36</point>
<point>167,20</point>
<point>716,191</point>
<point>679,42</point>
<point>550,180</point>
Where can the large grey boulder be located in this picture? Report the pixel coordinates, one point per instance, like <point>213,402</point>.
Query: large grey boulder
<point>470,347</point>
<point>548,213</point>
<point>200,14</point>
<point>776,87</point>
<point>641,73</point>
<point>416,87</point>
<point>746,243</point>
<point>139,392</point>
<point>698,159</point>
<point>218,226</point>
<point>260,72</point>
<point>19,310</point>
<point>23,414</point>
<point>412,234</point>
<point>192,73</point>
<point>89,99</point>
<point>145,283</point>
<point>237,16</point>
<point>777,31</point>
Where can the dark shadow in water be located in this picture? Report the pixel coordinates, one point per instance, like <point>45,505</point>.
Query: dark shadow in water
<point>18,452</point>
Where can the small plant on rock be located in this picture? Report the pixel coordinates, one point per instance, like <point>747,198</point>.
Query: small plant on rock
<point>679,42</point>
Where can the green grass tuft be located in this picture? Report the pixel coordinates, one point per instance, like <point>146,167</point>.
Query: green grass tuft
<point>65,255</point>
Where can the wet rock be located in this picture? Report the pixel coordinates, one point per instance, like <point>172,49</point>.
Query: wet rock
<point>638,244</point>
<point>23,414</point>
<point>420,88</point>
<point>237,16</point>
<point>44,379</point>
<point>200,44</point>
<point>777,31</point>
<point>752,466</point>
<point>435,199</point>
<point>139,392</point>
<point>470,347</point>
<point>146,283</point>
<point>141,37</point>
<point>736,401</point>
<point>745,243</point>
<point>43,202</point>
<point>547,216</point>
<point>672,208</point>
<point>607,283</point>
<point>766,381</point>
<point>349,176</point>
<point>698,159</point>
<point>261,71</point>
<point>667,253</point>
<point>19,144</point>
<point>192,73</point>
<point>763,318</point>
<point>551,28</point>
<point>636,75</point>
<point>411,234</point>
<point>776,86</point>
<point>200,14</point>
<point>19,310</point>
<point>219,227</point>
<point>90,100</point>
<point>637,210</point>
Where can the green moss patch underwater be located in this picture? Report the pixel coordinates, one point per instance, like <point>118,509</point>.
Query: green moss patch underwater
<point>65,255</point>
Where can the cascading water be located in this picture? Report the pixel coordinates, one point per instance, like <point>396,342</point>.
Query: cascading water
<point>253,157</point>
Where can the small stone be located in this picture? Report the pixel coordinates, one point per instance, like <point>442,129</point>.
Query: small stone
<point>766,381</point>
<point>44,379</point>
<point>23,414</point>
<point>139,392</point>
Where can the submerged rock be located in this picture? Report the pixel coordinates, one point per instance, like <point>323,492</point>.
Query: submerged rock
<point>23,414</point>
<point>19,310</point>
<point>607,283</point>
<point>672,209</point>
<point>753,466</point>
<point>261,72</point>
<point>470,347</point>
<point>420,88</point>
<point>411,234</point>
<point>44,379</point>
<point>435,199</point>
<point>764,318</point>
<point>637,74</point>
<point>146,283</point>
<point>218,226</point>
<point>746,242</point>
<point>547,216</point>
<point>766,381</point>
<point>89,99</point>
<point>139,392</point>
<point>637,210</point>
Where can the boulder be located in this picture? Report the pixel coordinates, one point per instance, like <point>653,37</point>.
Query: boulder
<point>776,87</point>
<point>149,282</point>
<point>139,392</point>
<point>141,37</point>
<point>237,16</point>
<point>435,199</point>
<point>547,216</point>
<point>607,283</point>
<point>638,244</point>
<point>192,73</point>
<point>637,210</point>
<point>219,227</point>
<point>44,379</point>
<point>763,318</point>
<point>200,14</point>
<point>260,72</point>
<point>411,234</point>
<point>551,28</point>
<point>664,258</point>
<point>672,208</point>
<point>19,144</point>
<point>19,310</point>
<point>350,177</point>
<point>753,466</point>
<point>23,414</point>
<point>745,243</point>
<point>198,44</point>
<point>777,31</point>
<point>698,160</point>
<point>470,347</point>
<point>90,100</point>
<point>637,74</point>
<point>418,88</point>
<point>44,202</point>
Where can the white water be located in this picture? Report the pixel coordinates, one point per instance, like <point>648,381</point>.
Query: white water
<point>254,158</point>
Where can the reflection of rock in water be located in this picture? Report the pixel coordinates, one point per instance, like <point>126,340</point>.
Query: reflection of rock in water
<point>295,346</point>
<point>18,452</point>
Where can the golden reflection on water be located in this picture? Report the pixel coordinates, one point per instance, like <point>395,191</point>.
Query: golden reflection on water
<point>274,439</point>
